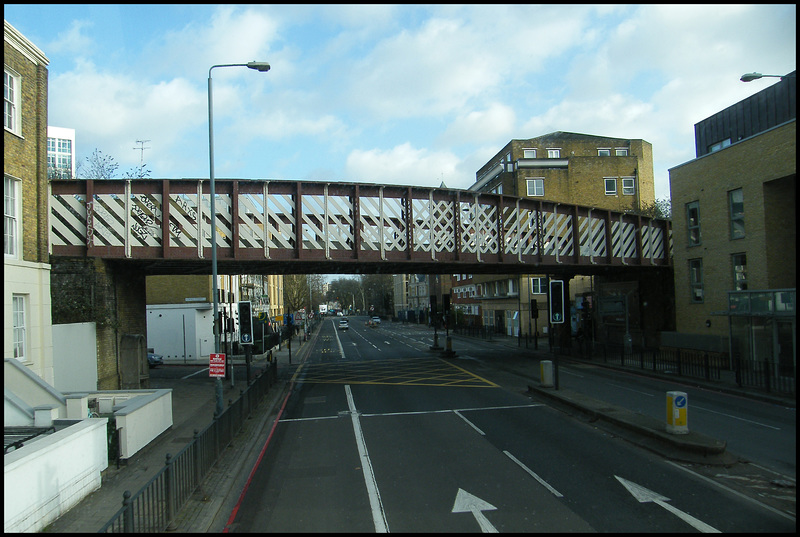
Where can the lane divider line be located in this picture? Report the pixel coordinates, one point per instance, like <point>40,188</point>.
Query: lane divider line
<point>460,415</point>
<point>378,514</point>
<point>533,474</point>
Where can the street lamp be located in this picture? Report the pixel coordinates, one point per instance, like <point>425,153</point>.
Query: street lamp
<point>749,77</point>
<point>261,67</point>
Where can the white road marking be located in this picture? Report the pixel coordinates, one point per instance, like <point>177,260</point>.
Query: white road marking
<point>457,413</point>
<point>736,493</point>
<point>631,390</point>
<point>736,417</point>
<point>378,515</point>
<point>469,503</point>
<point>195,373</point>
<point>533,474</point>
<point>644,495</point>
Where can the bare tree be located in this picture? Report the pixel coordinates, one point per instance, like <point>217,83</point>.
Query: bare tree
<point>97,166</point>
<point>100,166</point>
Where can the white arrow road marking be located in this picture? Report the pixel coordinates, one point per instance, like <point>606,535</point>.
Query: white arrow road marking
<point>643,495</point>
<point>469,503</point>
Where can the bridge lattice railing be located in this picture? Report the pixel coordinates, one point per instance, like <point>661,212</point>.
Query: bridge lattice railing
<point>288,219</point>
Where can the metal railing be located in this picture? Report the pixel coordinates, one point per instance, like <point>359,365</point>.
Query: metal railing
<point>768,375</point>
<point>680,362</point>
<point>153,508</point>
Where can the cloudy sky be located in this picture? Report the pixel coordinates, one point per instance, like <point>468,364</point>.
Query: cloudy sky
<point>393,94</point>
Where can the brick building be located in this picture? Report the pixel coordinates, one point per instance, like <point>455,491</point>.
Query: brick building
<point>27,325</point>
<point>580,169</point>
<point>734,228</point>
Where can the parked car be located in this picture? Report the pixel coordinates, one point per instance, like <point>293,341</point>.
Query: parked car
<point>154,359</point>
<point>344,324</point>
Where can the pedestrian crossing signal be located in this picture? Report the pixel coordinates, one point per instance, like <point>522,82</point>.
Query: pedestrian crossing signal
<point>556,301</point>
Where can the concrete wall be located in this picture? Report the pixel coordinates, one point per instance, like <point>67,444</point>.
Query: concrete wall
<point>45,478</point>
<point>32,281</point>
<point>75,363</point>
<point>141,419</point>
<point>29,389</point>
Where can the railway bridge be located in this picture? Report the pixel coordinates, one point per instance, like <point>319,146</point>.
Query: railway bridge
<point>316,227</point>
<point>107,236</point>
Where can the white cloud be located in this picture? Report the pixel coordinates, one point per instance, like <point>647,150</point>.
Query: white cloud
<point>401,165</point>
<point>73,40</point>
<point>493,123</point>
<point>231,35</point>
<point>110,112</point>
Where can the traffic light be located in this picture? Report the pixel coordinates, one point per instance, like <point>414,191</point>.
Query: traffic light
<point>556,301</point>
<point>446,303</point>
<point>245,323</point>
<point>534,309</point>
<point>433,304</point>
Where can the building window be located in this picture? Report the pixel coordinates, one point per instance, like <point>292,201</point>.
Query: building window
<point>611,186</point>
<point>603,152</point>
<point>59,158</point>
<point>736,204</point>
<point>621,152</point>
<point>739,262</point>
<point>538,286</point>
<point>719,145</point>
<point>628,186</point>
<point>693,222</point>
<point>11,102</point>
<point>528,153</point>
<point>535,187</point>
<point>696,280</point>
<point>18,323</point>
<point>553,153</point>
<point>10,217</point>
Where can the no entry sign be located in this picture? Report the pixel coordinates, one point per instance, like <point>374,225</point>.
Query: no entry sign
<point>216,365</point>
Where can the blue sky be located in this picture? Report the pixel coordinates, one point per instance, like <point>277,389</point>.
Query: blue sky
<point>393,94</point>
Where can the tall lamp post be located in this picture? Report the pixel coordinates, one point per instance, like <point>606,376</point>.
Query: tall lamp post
<point>258,66</point>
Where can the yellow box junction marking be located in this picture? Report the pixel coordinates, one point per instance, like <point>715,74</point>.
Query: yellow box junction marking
<point>401,372</point>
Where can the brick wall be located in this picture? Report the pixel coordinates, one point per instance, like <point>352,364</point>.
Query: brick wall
<point>764,167</point>
<point>175,289</point>
<point>107,293</point>
<point>26,158</point>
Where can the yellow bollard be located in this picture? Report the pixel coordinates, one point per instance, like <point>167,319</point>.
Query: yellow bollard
<point>677,413</point>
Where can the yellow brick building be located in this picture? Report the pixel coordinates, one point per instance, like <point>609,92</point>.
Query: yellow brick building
<point>734,228</point>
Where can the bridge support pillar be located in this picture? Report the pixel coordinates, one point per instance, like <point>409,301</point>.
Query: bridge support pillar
<point>113,296</point>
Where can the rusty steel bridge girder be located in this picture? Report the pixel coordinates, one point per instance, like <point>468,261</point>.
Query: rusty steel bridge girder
<point>282,227</point>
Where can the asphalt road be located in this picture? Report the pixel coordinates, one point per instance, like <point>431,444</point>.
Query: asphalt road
<point>380,434</point>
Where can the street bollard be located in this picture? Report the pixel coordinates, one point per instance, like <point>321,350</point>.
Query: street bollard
<point>546,373</point>
<point>677,413</point>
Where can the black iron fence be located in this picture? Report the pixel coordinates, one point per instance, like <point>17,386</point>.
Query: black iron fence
<point>670,361</point>
<point>153,508</point>
<point>768,375</point>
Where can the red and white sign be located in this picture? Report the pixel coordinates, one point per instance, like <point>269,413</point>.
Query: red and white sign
<point>216,365</point>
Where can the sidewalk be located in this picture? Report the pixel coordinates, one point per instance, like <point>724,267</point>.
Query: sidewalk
<point>193,409</point>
